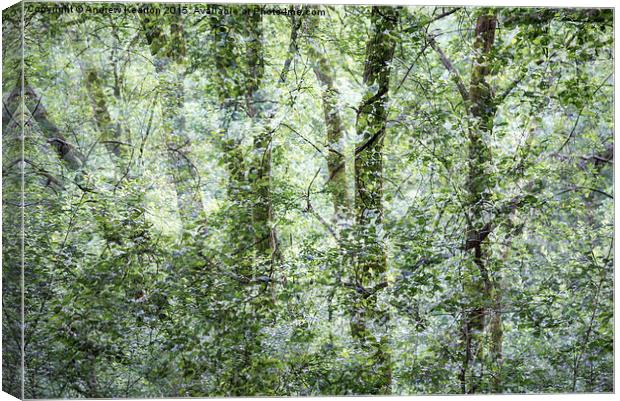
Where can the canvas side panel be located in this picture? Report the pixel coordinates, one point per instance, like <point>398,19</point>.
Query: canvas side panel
<point>12,211</point>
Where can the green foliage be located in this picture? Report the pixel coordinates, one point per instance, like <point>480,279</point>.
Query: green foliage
<point>406,200</point>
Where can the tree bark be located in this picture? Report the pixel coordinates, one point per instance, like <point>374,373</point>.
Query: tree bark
<point>66,151</point>
<point>265,236</point>
<point>168,52</point>
<point>229,86</point>
<point>481,327</point>
<point>369,322</point>
<point>111,133</point>
<point>336,165</point>
<point>249,187</point>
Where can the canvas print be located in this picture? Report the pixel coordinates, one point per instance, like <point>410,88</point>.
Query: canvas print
<point>207,200</point>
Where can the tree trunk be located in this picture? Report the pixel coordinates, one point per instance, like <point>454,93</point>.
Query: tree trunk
<point>229,86</point>
<point>337,182</point>
<point>482,327</point>
<point>66,151</point>
<point>336,165</point>
<point>169,56</point>
<point>265,236</point>
<point>111,134</point>
<point>369,322</point>
<point>249,189</point>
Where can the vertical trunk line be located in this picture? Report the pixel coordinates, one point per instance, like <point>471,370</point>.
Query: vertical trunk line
<point>262,214</point>
<point>169,56</point>
<point>370,259</point>
<point>110,133</point>
<point>336,164</point>
<point>482,333</point>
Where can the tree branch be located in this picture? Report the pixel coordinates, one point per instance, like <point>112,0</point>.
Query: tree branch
<point>456,77</point>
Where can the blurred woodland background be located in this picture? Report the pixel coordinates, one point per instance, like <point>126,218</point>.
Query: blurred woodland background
<point>340,200</point>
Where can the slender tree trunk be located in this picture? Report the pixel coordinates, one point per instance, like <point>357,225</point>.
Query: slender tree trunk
<point>369,322</point>
<point>482,327</point>
<point>184,174</point>
<point>111,133</point>
<point>249,188</point>
<point>265,236</point>
<point>336,165</point>
<point>169,56</point>
<point>229,85</point>
<point>337,181</point>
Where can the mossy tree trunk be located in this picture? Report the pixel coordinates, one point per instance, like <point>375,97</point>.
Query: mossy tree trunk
<point>265,237</point>
<point>239,83</point>
<point>337,183</point>
<point>110,132</point>
<point>369,321</point>
<point>481,327</point>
